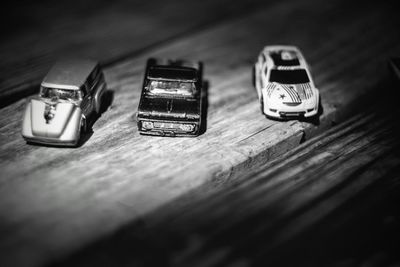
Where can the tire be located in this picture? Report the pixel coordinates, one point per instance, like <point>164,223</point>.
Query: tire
<point>83,128</point>
<point>99,105</point>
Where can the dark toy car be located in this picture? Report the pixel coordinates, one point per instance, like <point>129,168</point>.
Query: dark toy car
<point>170,104</point>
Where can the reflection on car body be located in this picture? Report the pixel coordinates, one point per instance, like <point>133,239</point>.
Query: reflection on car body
<point>69,94</point>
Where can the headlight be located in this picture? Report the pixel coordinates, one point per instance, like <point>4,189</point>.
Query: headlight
<point>187,127</point>
<point>147,125</point>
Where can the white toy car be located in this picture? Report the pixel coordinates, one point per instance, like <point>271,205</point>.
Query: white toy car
<point>70,93</point>
<point>284,84</point>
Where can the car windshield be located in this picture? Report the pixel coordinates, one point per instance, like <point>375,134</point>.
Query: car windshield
<point>289,76</point>
<point>74,95</point>
<point>172,88</point>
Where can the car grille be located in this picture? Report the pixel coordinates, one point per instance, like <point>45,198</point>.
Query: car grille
<point>166,125</point>
<point>290,114</point>
<point>292,104</point>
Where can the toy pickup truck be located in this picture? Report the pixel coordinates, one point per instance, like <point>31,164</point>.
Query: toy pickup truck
<point>170,103</point>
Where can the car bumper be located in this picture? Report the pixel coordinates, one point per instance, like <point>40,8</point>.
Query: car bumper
<point>290,113</point>
<point>168,128</point>
<point>50,141</point>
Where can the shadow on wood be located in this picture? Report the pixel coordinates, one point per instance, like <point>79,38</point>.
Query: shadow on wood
<point>331,201</point>
<point>204,106</point>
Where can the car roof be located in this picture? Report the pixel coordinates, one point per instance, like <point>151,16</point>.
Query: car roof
<point>279,59</point>
<point>159,72</point>
<point>284,56</point>
<point>69,74</point>
<point>271,48</point>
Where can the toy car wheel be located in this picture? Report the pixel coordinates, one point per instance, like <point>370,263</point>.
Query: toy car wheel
<point>102,105</point>
<point>83,125</point>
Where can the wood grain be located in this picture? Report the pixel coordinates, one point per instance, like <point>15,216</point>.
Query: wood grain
<point>54,201</point>
<point>330,201</point>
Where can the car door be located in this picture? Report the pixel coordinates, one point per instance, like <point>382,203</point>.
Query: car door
<point>87,102</point>
<point>98,90</point>
<point>97,85</point>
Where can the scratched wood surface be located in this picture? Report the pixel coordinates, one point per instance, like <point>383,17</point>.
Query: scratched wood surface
<point>56,201</point>
<point>332,201</point>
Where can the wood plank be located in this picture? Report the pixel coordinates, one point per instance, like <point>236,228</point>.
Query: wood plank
<point>101,30</point>
<point>54,201</point>
<point>331,201</point>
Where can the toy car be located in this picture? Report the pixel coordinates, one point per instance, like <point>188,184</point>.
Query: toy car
<point>284,84</point>
<point>69,94</point>
<point>170,103</point>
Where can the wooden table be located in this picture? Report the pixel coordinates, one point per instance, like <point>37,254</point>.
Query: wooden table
<point>249,191</point>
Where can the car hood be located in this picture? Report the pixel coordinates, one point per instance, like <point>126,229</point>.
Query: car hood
<point>174,108</point>
<point>49,119</point>
<point>290,93</point>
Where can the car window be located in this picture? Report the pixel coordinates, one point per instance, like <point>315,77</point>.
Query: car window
<point>172,88</point>
<point>265,69</point>
<point>289,76</point>
<point>64,94</point>
<point>264,59</point>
